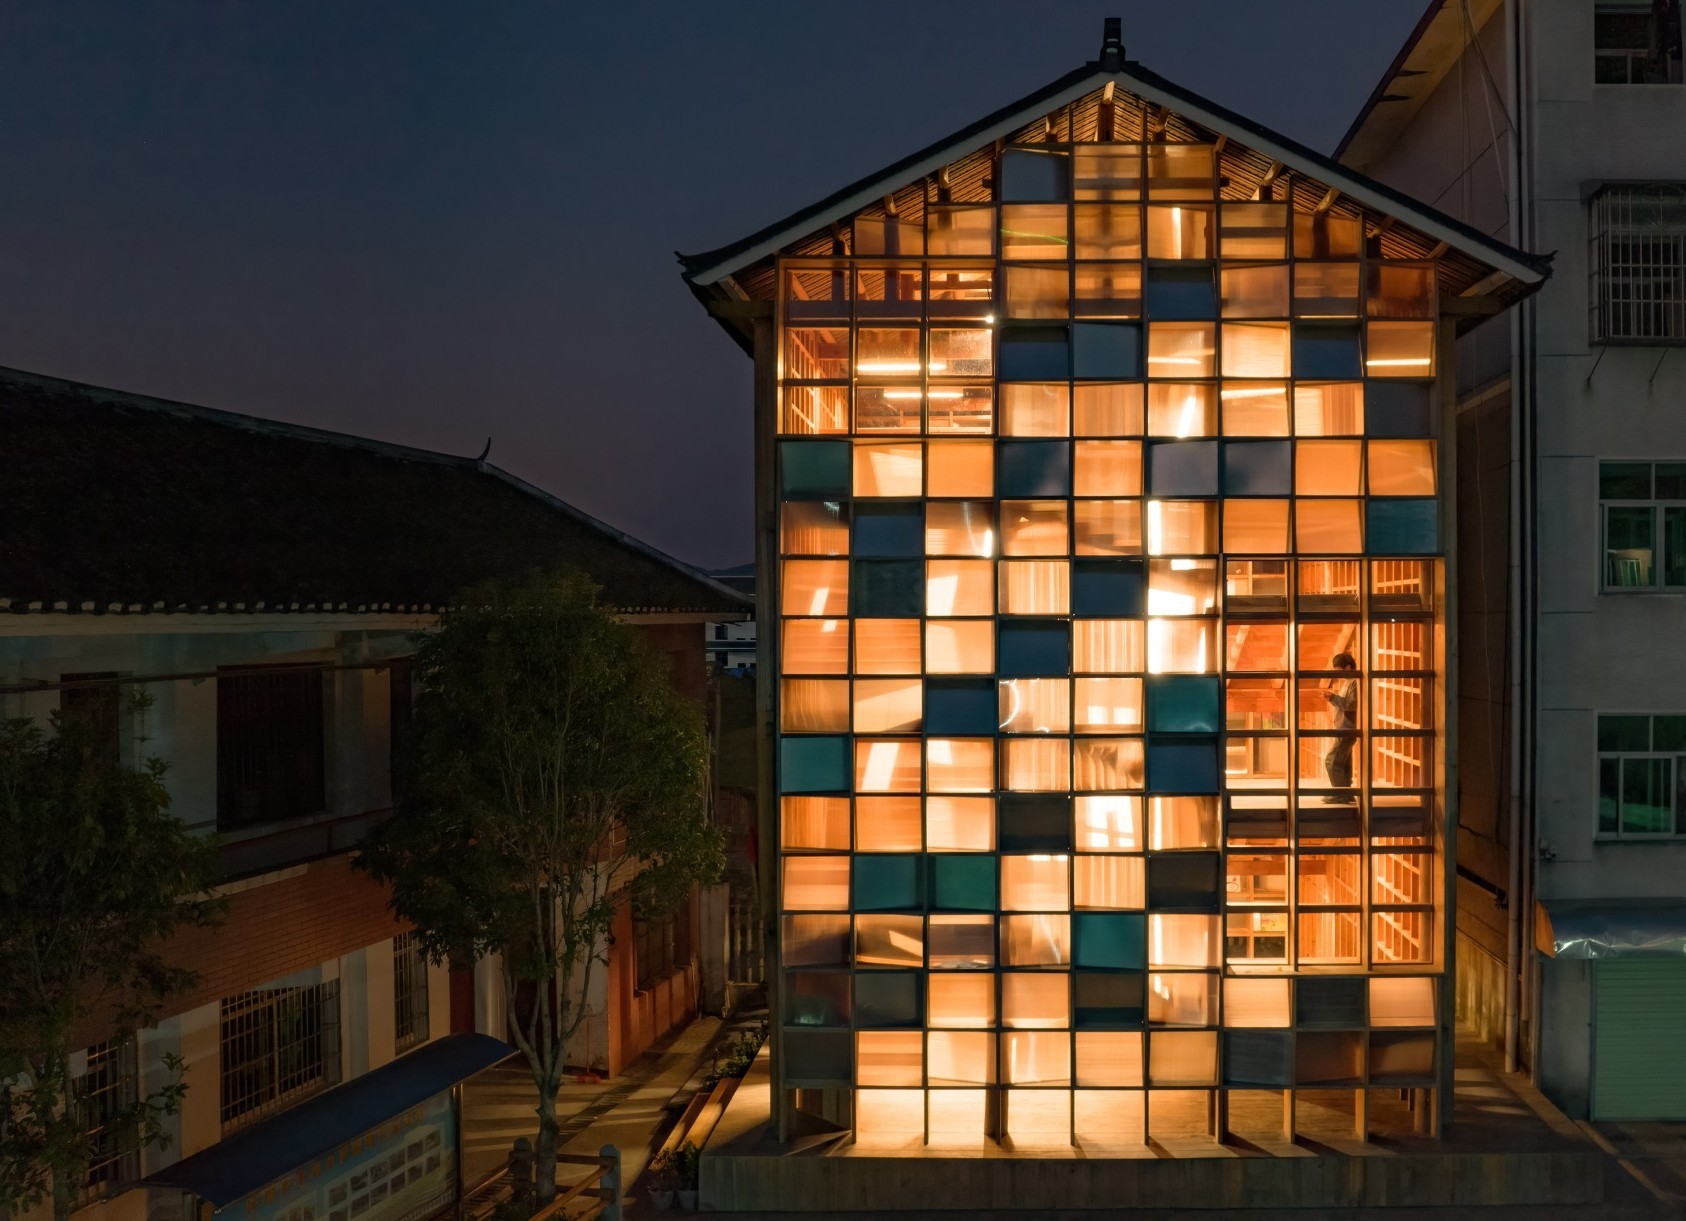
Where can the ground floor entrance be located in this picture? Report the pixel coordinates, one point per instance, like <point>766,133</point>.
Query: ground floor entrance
<point>1639,1039</point>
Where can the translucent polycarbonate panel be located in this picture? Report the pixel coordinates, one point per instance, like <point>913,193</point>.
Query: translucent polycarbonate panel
<point>1109,1058</point>
<point>1182,940</point>
<point>1254,290</point>
<point>814,824</point>
<point>960,468</point>
<point>889,1057</point>
<point>887,765</point>
<point>814,705</point>
<point>960,765</point>
<point>1107,410</point>
<point>1179,232</point>
<point>960,647</point>
<point>1106,527</point>
<point>959,824</point>
<point>1107,468</point>
<point>961,1058</point>
<point>1182,646</point>
<point>1102,705</point>
<point>1182,349</point>
<point>886,999</point>
<point>889,941</point>
<point>1255,409</point>
<point>1399,349</point>
<point>1108,883</point>
<point>1039,1058</point>
<point>1110,940</point>
<point>815,941</point>
<point>1257,1002</point>
<point>959,587</point>
<point>1109,646</point>
<point>1034,705</point>
<point>886,646</point>
<point>1109,822</point>
<point>813,765</point>
<point>1184,1057</point>
<point>1035,882</point>
<point>1182,409</point>
<point>887,824</point>
<point>962,883</point>
<point>1033,1000</point>
<point>1182,998</point>
<point>964,1001</point>
<point>816,883</point>
<point>1041,940</point>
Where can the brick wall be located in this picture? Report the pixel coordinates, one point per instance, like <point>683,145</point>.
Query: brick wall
<point>682,645</point>
<point>272,930</point>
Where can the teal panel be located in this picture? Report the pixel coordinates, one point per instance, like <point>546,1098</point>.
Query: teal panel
<point>888,883</point>
<point>963,883</point>
<point>1184,703</point>
<point>1115,940</point>
<point>889,1000</point>
<point>1401,527</point>
<point>814,765</point>
<point>1638,1056</point>
<point>815,470</point>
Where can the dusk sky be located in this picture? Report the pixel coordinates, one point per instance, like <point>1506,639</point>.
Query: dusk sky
<point>430,222</point>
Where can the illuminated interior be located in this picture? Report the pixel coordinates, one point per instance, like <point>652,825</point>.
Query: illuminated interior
<point>1089,476</point>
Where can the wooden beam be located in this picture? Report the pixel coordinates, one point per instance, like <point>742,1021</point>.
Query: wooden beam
<point>1327,202</point>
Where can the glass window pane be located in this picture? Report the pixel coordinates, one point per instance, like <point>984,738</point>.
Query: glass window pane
<point>1107,290</point>
<point>1035,883</point>
<point>1255,349</point>
<point>1674,546</point>
<point>814,705</point>
<point>1330,410</point>
<point>1042,940</point>
<point>888,705</point>
<point>814,470</point>
<point>1182,703</point>
<point>888,941</point>
<point>1399,349</point>
<point>1107,231</point>
<point>1109,646</point>
<point>885,588</point>
<point>961,824</point>
<point>1179,232</point>
<point>1110,941</point>
<point>1034,468</point>
<point>960,468</point>
<point>1104,704</point>
<point>1036,765</point>
<point>815,646</point>
<point>1109,883</point>
<point>816,883</point>
<point>1190,766</point>
<point>1182,409</point>
<point>887,824</point>
<point>1108,764</point>
<point>889,530</point>
<point>1401,290</point>
<point>1107,411</point>
<point>1108,171</point>
<point>959,587</point>
<point>1254,230</point>
<point>1182,941</point>
<point>886,765</point>
<point>1255,290</point>
<point>1034,174</point>
<point>1257,468</point>
<point>968,1000</point>
<point>888,998</point>
<point>1327,525</point>
<point>1034,705</point>
<point>885,883</point>
<point>1629,547</point>
<point>1255,526</point>
<point>1035,292</point>
<point>966,647</point>
<point>1107,527</point>
<point>961,230</point>
<point>1034,823</point>
<point>1182,349</point>
<point>1256,409</point>
<point>1182,527</point>
<point>1107,588</point>
<point>1181,171</point>
<point>887,646</point>
<point>1034,231</point>
<point>1181,646</point>
<point>1035,410</point>
<point>1110,822</point>
<point>814,823</point>
<point>814,528</point>
<point>960,765</point>
<point>815,587</point>
<point>1647,797</point>
<point>1401,468</point>
<point>1325,290</point>
<point>1609,795</point>
<point>1035,587</point>
<point>888,468</point>
<point>1033,527</point>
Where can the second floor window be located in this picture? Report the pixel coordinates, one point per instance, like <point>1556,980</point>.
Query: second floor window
<point>92,702</point>
<point>662,945</point>
<point>105,1093</point>
<point>409,991</point>
<point>1643,525</point>
<point>1640,758</point>
<point>1637,42</point>
<point>269,745</point>
<point>1637,263</point>
<point>278,1045</point>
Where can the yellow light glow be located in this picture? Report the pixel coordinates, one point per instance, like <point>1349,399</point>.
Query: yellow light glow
<point>898,366</point>
<point>1250,392</point>
<point>880,766</point>
<point>1155,528</point>
<point>1188,420</point>
<point>1396,363</point>
<point>816,605</point>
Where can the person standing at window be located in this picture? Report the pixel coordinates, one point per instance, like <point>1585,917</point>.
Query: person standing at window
<point>1342,694</point>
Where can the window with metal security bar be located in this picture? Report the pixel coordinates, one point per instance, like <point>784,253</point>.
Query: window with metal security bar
<point>1637,262</point>
<point>278,1045</point>
<point>1642,520</point>
<point>269,745</point>
<point>409,991</point>
<point>1637,43</point>
<point>1641,768</point>
<point>105,1094</point>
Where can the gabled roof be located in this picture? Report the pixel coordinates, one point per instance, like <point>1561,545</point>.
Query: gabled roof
<point>1251,155</point>
<point>121,503</point>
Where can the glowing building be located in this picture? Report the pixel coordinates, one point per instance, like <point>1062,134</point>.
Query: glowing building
<point>1103,530</point>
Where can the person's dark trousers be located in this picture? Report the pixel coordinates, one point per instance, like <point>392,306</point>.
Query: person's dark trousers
<point>1338,763</point>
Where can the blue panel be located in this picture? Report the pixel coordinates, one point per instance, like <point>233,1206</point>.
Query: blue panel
<point>1324,351</point>
<point>1182,468</point>
<point>1397,409</point>
<point>814,765</point>
<point>1112,940</point>
<point>1186,766</point>
<point>1110,350</point>
<point>1258,468</point>
<point>1108,589</point>
<point>889,883</point>
<point>1033,822</point>
<point>963,883</point>
<point>815,470</point>
<point>961,706</point>
<point>1031,176</point>
<point>1184,703</point>
<point>1034,354</point>
<point>1032,468</point>
<point>1401,527</point>
<point>1028,648</point>
<point>1187,291</point>
<point>893,589</point>
<point>890,529</point>
<point>889,1000</point>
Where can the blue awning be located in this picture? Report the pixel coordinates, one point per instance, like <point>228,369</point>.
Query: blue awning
<point>259,1155</point>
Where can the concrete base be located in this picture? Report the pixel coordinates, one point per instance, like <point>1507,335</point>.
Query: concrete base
<point>1503,1153</point>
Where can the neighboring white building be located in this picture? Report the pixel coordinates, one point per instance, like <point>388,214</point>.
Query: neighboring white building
<point>1560,126</point>
<point>262,583</point>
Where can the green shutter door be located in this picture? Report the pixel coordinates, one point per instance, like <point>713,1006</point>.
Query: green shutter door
<point>1639,1040</point>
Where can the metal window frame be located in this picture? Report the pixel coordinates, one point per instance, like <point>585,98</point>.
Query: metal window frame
<point>290,1038</point>
<point>1658,273</point>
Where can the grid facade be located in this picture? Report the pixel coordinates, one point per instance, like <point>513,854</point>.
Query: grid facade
<point>1109,629</point>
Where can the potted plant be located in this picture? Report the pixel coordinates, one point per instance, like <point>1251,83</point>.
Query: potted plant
<point>661,1177</point>
<point>689,1164</point>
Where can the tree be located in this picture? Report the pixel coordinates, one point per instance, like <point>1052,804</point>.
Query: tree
<point>553,773</point>
<point>95,875</point>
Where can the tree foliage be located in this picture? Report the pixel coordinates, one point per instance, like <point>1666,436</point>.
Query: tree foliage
<point>96,873</point>
<point>553,772</point>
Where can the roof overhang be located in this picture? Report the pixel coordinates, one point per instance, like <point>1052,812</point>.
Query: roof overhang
<point>1433,46</point>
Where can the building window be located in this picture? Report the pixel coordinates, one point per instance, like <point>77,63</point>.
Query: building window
<point>278,1045</point>
<point>1637,43</point>
<point>106,1093</point>
<point>269,745</point>
<point>1640,776</point>
<point>1637,262</point>
<point>1643,512</point>
<point>409,991</point>
<point>662,945</point>
<point>92,703</point>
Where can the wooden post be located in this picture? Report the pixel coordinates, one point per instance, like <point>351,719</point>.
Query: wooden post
<point>1288,1114</point>
<point>1361,1114</point>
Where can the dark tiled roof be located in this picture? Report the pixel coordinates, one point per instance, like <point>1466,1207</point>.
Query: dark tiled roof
<point>114,502</point>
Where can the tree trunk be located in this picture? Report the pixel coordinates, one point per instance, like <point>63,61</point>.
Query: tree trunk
<point>64,1195</point>
<point>544,1148</point>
